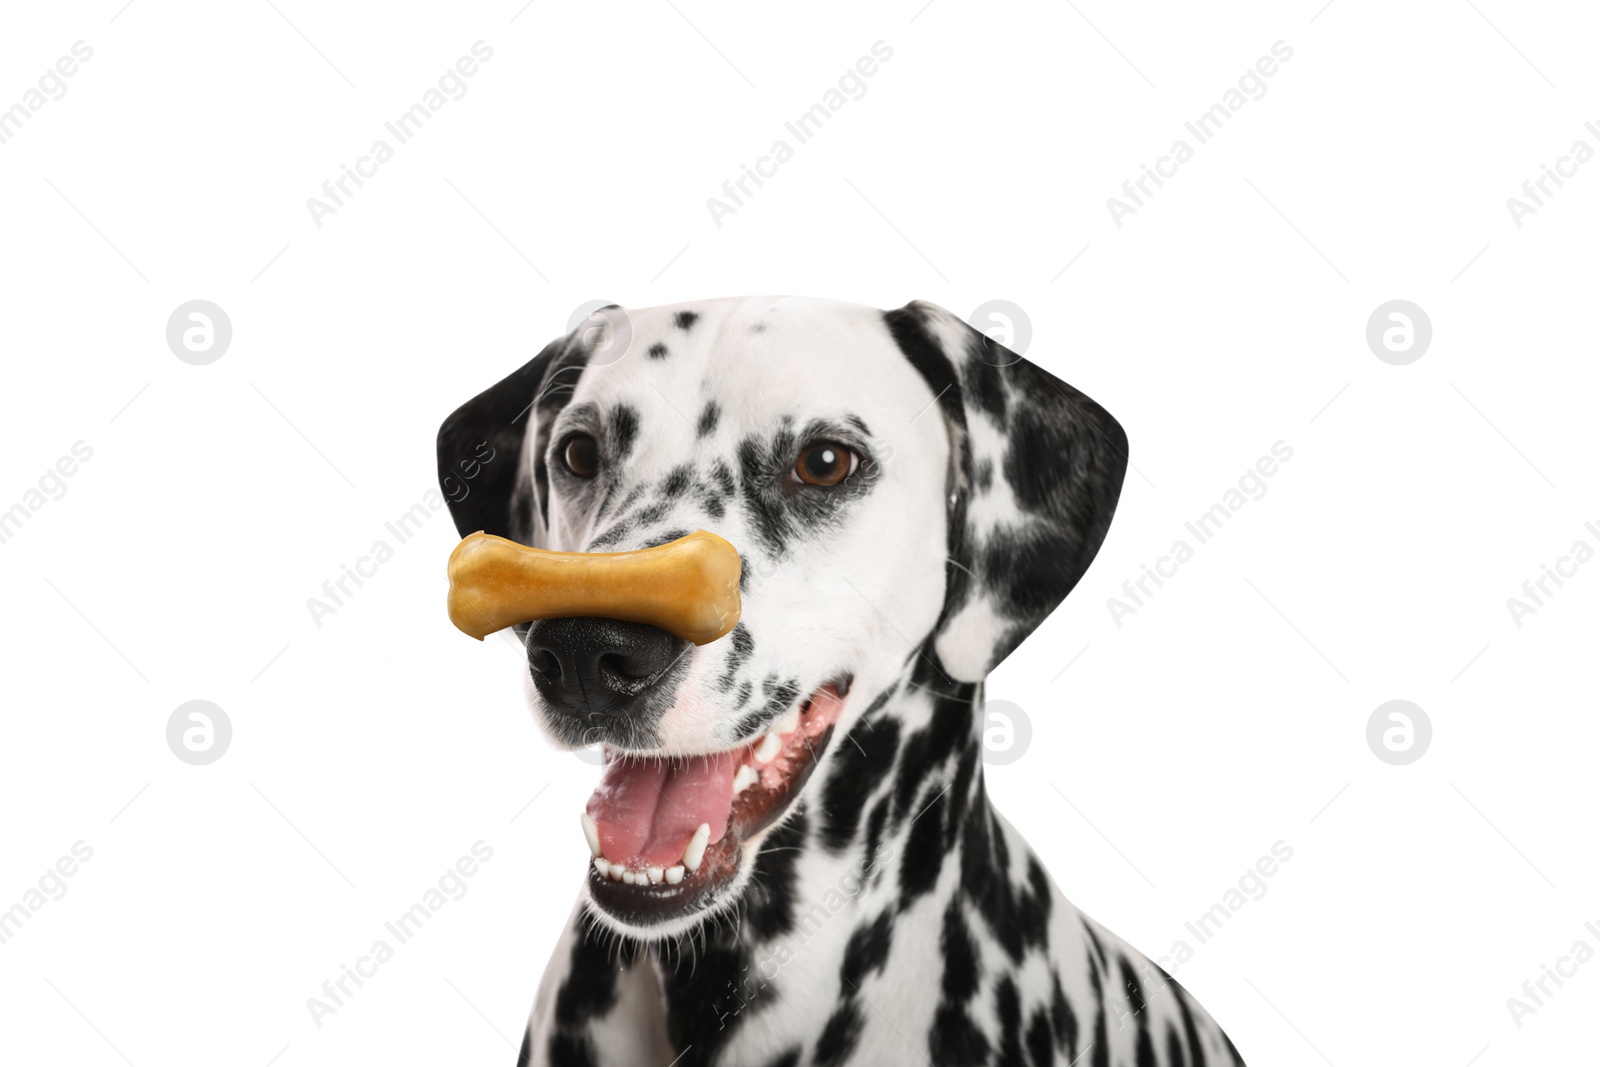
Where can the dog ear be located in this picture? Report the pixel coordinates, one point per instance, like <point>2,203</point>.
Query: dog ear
<point>491,449</point>
<point>1035,471</point>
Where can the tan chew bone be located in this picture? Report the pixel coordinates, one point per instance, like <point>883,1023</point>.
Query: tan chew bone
<point>688,587</point>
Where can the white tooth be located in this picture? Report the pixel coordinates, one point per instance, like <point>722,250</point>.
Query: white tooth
<point>789,723</point>
<point>629,878</point>
<point>674,875</point>
<point>654,874</point>
<point>616,872</point>
<point>591,834</point>
<point>602,865</point>
<point>769,747</point>
<point>745,777</point>
<point>696,849</point>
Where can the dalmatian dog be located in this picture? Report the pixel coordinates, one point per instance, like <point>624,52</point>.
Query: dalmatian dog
<point>794,859</point>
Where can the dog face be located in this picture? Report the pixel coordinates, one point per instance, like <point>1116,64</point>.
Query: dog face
<point>897,486</point>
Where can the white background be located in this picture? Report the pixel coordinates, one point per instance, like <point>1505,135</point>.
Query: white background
<point>1227,314</point>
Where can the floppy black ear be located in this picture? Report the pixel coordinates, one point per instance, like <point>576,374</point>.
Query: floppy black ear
<point>491,449</point>
<point>1036,469</point>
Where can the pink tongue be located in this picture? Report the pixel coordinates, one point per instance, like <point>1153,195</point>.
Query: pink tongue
<point>647,809</point>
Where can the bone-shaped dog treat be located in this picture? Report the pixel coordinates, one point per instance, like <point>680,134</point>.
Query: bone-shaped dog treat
<point>688,587</point>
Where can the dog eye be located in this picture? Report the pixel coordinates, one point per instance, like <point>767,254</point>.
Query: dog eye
<point>824,463</point>
<point>581,454</point>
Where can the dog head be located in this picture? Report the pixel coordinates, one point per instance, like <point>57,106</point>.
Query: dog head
<point>897,485</point>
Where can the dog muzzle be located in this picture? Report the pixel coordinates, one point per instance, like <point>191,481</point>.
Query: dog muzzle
<point>688,587</point>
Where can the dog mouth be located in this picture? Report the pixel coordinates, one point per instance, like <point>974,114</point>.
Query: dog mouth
<point>665,832</point>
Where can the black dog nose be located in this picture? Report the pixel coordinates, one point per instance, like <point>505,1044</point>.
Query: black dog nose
<point>600,666</point>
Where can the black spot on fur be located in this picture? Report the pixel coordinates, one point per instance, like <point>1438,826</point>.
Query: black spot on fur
<point>858,762</point>
<point>751,726</point>
<point>875,824</point>
<point>908,327</point>
<point>589,991</point>
<point>1174,1047</point>
<point>868,950</point>
<point>926,750</point>
<point>606,499</point>
<point>769,898</point>
<point>1018,918</point>
<point>954,1038</point>
<point>1144,1050</point>
<point>985,358</point>
<point>1008,1017</point>
<point>683,320</point>
<point>773,524</point>
<point>741,646</point>
<point>677,481</point>
<point>710,415</point>
<point>622,429</point>
<point>923,857</point>
<point>1098,963</point>
<point>707,1002</point>
<point>1197,1051</point>
<point>961,794</point>
<point>1041,1051</point>
<point>658,351</point>
<point>1063,1020</point>
<point>665,537</point>
<point>628,501</point>
<point>786,1058</point>
<point>961,966</point>
<point>612,534</point>
<point>590,988</point>
<point>839,1036</point>
<point>654,513</point>
<point>573,1049</point>
<point>779,696</point>
<point>1102,1050</point>
<point>723,475</point>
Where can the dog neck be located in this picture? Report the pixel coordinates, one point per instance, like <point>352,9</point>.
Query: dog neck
<point>871,846</point>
